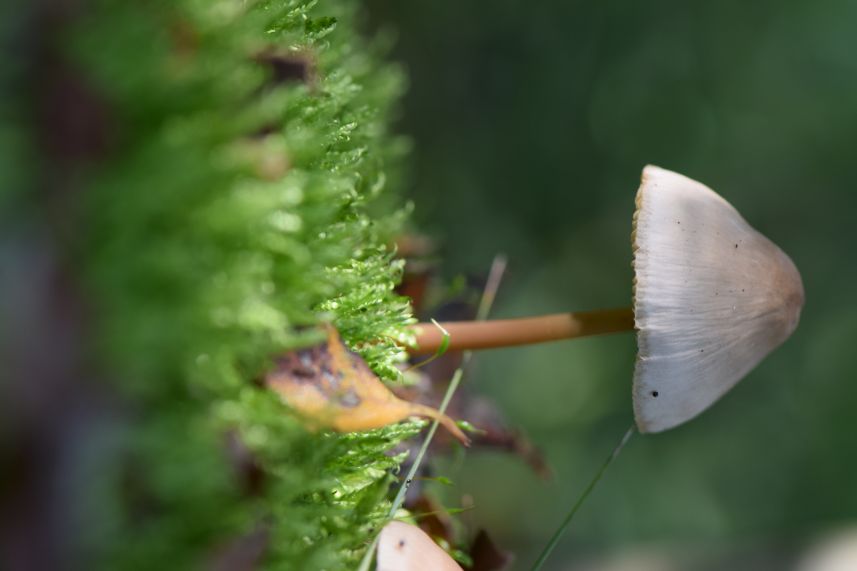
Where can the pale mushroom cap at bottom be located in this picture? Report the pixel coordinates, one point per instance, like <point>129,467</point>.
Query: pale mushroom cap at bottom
<point>712,297</point>
<point>405,547</point>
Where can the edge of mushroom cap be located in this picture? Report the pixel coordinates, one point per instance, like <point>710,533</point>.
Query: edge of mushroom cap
<point>635,247</point>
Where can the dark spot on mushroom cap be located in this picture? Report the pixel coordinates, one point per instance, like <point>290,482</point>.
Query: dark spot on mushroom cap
<point>401,543</point>
<point>655,394</point>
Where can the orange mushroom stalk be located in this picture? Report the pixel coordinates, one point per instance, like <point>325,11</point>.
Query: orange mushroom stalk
<point>522,331</point>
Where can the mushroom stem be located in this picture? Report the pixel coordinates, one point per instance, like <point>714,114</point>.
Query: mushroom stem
<point>522,331</point>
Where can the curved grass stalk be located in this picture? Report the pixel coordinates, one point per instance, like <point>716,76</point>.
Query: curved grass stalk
<point>557,535</point>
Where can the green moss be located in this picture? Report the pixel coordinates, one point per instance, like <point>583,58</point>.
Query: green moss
<point>201,265</point>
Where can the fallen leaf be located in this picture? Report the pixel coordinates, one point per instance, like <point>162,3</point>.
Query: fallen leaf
<point>331,387</point>
<point>418,253</point>
<point>486,555</point>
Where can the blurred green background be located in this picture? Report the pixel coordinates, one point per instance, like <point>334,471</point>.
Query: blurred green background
<point>531,123</point>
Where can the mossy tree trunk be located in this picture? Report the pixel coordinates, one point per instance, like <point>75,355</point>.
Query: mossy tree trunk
<point>187,186</point>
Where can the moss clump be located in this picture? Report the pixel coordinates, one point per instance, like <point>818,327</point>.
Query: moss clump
<point>242,196</point>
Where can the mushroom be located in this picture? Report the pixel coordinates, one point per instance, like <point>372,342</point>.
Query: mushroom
<point>712,297</point>
<point>405,547</point>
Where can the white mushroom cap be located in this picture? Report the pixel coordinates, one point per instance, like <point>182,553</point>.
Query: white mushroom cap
<point>836,552</point>
<point>405,547</point>
<point>712,297</point>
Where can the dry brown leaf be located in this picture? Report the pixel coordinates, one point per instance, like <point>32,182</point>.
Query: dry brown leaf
<point>331,387</point>
<point>486,555</point>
